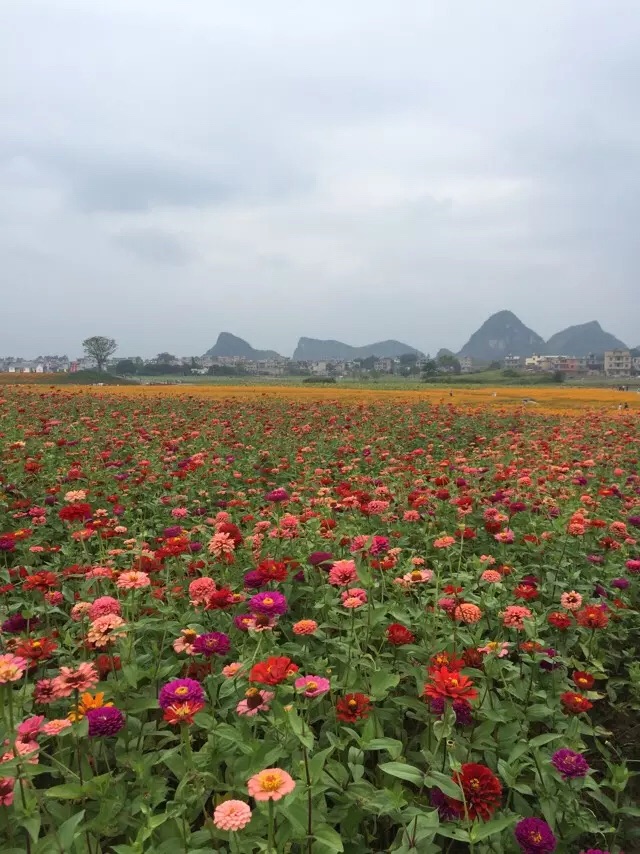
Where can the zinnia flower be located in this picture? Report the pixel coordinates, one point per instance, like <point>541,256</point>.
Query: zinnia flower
<point>353,707</point>
<point>269,602</point>
<point>574,704</point>
<point>468,613</point>
<point>571,600</point>
<point>105,722</point>
<point>482,791</point>
<point>256,701</point>
<point>270,784</point>
<point>273,671</point>
<point>312,686</point>
<point>514,616</point>
<point>212,643</point>
<point>342,573</point>
<point>449,683</point>
<point>12,668</point>
<point>81,679</point>
<point>182,713</point>
<point>397,635</point>
<point>534,836</point>
<point>180,691</point>
<point>570,764</point>
<point>592,617</point>
<point>232,815</point>
<point>304,627</point>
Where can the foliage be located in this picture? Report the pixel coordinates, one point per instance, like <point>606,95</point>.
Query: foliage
<point>431,612</point>
<point>100,349</point>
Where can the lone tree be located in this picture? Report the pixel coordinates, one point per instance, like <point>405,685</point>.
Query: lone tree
<point>99,348</point>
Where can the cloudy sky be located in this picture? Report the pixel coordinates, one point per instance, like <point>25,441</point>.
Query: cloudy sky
<point>173,168</point>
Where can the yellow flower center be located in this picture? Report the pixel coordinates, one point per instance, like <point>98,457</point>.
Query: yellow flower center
<point>182,690</point>
<point>270,782</point>
<point>268,600</point>
<point>312,686</point>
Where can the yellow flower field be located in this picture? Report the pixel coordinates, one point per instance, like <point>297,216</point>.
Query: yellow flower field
<point>548,398</point>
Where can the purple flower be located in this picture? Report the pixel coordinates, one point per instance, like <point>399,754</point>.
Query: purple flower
<point>323,560</point>
<point>7,544</point>
<point>212,643</point>
<point>172,531</point>
<point>570,764</point>
<point>254,579</point>
<point>461,708</point>
<point>634,520</point>
<point>534,836</point>
<point>105,721</point>
<point>439,801</point>
<point>180,691</point>
<point>195,547</point>
<point>596,560</point>
<point>379,545</point>
<point>620,583</point>
<point>277,495</point>
<point>594,851</point>
<point>16,623</point>
<point>270,603</point>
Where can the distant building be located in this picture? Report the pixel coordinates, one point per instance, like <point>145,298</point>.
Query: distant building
<point>466,364</point>
<point>617,363</point>
<point>512,362</point>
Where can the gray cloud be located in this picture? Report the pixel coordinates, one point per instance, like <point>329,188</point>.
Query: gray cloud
<point>155,246</point>
<point>354,171</point>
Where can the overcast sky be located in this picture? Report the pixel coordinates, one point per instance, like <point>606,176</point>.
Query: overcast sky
<point>170,169</point>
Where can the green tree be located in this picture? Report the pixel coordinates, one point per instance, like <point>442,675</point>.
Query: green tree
<point>430,368</point>
<point>449,364</point>
<point>126,368</point>
<point>99,349</point>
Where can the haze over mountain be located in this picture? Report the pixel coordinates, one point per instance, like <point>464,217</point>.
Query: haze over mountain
<point>501,335</point>
<point>583,339</point>
<point>314,349</point>
<point>230,345</point>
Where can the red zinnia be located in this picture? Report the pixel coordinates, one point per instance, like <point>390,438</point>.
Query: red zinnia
<point>592,617</point>
<point>574,704</point>
<point>397,635</point>
<point>353,707</point>
<point>446,659</point>
<point>273,671</point>
<point>482,791</point>
<point>36,649</point>
<point>559,620</point>
<point>182,713</point>
<point>449,683</point>
<point>583,680</point>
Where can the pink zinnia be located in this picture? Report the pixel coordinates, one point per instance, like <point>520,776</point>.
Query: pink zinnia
<point>260,701</point>
<point>12,668</point>
<point>82,679</point>
<point>232,815</point>
<point>200,590</point>
<point>572,601</point>
<point>132,580</point>
<point>56,726</point>
<point>312,686</point>
<point>304,627</point>
<point>342,572</point>
<point>103,606</point>
<point>270,784</point>
<point>514,616</point>
<point>6,791</point>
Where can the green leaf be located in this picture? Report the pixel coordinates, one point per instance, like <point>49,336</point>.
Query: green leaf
<point>381,683</point>
<point>488,828</point>
<point>66,792</point>
<point>32,826</point>
<point>316,763</point>
<point>545,738</point>
<point>445,784</point>
<point>328,837</point>
<point>403,771</point>
<point>66,833</point>
<point>393,746</point>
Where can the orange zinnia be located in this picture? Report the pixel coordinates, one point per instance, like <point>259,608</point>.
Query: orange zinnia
<point>451,684</point>
<point>87,701</point>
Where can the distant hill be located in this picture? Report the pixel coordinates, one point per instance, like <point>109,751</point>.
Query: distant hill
<point>230,345</point>
<point>583,339</point>
<point>314,350</point>
<point>501,335</point>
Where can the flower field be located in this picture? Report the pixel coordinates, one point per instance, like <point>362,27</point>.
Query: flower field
<point>311,621</point>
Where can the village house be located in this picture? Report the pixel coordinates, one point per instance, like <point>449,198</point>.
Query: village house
<point>617,363</point>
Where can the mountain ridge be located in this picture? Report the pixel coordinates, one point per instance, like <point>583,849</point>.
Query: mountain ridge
<point>316,349</point>
<point>502,334</point>
<point>582,339</point>
<point>229,345</point>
